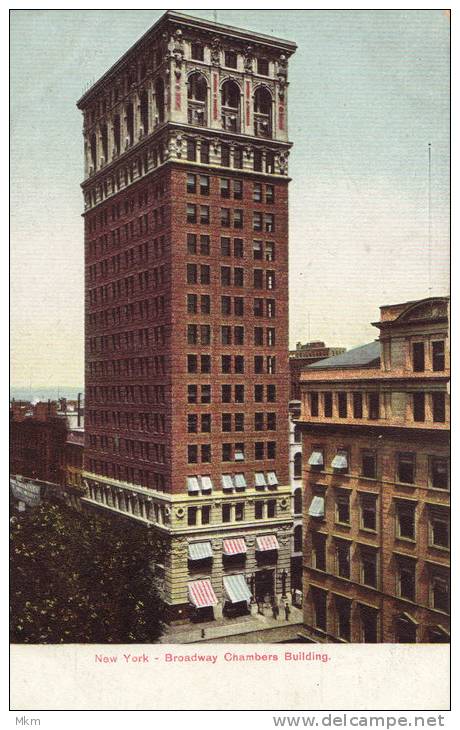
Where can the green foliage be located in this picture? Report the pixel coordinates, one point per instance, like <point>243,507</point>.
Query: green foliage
<point>82,578</point>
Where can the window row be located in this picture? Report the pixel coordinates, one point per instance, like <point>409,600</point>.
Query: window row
<point>201,453</point>
<point>142,309</point>
<point>131,394</point>
<point>128,368</point>
<point>203,394</point>
<point>147,422</point>
<point>127,287</point>
<point>130,340</point>
<point>405,465</point>
<point>203,484</point>
<point>130,448</point>
<point>151,249</point>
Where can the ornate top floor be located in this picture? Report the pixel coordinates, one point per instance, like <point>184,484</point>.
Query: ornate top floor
<point>193,74</point>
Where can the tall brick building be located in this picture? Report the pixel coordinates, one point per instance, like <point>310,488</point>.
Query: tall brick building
<point>186,254</point>
<point>375,424</point>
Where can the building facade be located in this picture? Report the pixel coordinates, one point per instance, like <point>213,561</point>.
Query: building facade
<point>186,261</point>
<point>295,475</point>
<point>305,355</point>
<point>376,474</point>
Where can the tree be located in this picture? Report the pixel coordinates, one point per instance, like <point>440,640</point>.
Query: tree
<point>82,578</point>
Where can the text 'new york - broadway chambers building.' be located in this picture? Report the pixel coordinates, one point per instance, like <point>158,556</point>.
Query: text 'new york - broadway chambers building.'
<point>186,270</point>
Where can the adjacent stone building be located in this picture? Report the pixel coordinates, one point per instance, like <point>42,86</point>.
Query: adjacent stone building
<point>375,438</point>
<point>305,355</point>
<point>186,261</point>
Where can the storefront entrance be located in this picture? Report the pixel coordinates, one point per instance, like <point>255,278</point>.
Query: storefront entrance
<point>265,585</point>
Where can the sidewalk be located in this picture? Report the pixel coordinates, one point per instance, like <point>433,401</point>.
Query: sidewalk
<point>244,629</point>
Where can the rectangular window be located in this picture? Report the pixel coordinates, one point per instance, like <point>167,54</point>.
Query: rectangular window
<point>439,473</point>
<point>238,248</point>
<point>258,160</point>
<point>226,364</point>
<point>238,277</point>
<point>230,59</point>
<point>192,363</point>
<point>191,183</point>
<point>342,556</point>
<point>258,280</point>
<point>418,357</point>
<point>258,364</point>
<point>438,355</point>
<point>262,66</point>
<point>271,508</point>
<point>270,279</point>
<point>197,52</point>
<point>405,520</point>
<point>343,613</point>
<point>205,363</point>
<point>192,334</point>
<point>406,579</point>
<point>225,246</point>
<point>259,510</point>
<point>314,403</point>
<point>192,394</point>
<point>191,515</point>
<point>270,163</point>
<point>226,513</point>
<point>327,403</point>
<point>439,407</point>
<point>269,194</point>
<point>369,624</point>
<point>374,406</point>
<point>258,393</point>
<point>204,245</point>
<point>357,405</point>
<point>206,393</point>
<point>439,529</point>
<point>271,393</point>
<point>204,153</point>
<point>191,243</point>
<point>238,335</point>
<point>205,514</point>
<point>192,423</point>
<point>439,590</point>
<point>342,404</point>
<point>225,217</point>
<point>237,158</point>
<point>239,511</point>
<point>192,454</point>
<point>238,190</point>
<point>206,422</point>
<point>368,512</point>
<point>226,305</point>
<point>368,464</point>
<point>226,335</point>
<point>257,221</point>
<point>239,364</point>
<point>419,406</point>
<point>204,185</point>
<point>225,155</point>
<point>226,422</point>
<point>226,393</point>
<point>225,275</point>
<point>192,303</point>
<point>257,250</point>
<point>191,213</point>
<point>191,150</point>
<point>269,251</point>
<point>206,453</point>
<point>205,274</point>
<point>205,304</point>
<point>406,468</point>
<point>239,393</point>
<point>224,187</point>
<point>320,608</point>
<point>259,450</point>
<point>271,421</point>
<point>319,551</point>
<point>227,452</point>
<point>239,421</point>
<point>238,306</point>
<point>204,215</point>
<point>257,193</point>
<point>342,509</point>
<point>368,567</point>
<point>269,222</point>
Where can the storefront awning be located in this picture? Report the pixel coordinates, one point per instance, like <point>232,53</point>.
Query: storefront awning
<point>206,484</point>
<point>201,594</point>
<point>316,459</point>
<point>199,550</point>
<point>236,588</point>
<point>316,507</point>
<point>236,546</point>
<point>272,478</point>
<point>240,481</point>
<point>267,542</point>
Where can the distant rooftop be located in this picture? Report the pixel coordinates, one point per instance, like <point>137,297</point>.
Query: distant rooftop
<point>362,356</point>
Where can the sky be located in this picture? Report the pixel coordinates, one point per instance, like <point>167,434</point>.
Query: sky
<point>369,90</point>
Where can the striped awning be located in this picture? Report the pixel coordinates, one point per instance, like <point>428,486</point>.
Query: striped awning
<point>199,550</point>
<point>272,478</point>
<point>201,594</point>
<point>316,508</point>
<point>260,479</point>
<point>316,459</point>
<point>267,542</point>
<point>192,485</point>
<point>339,461</point>
<point>236,588</point>
<point>235,546</point>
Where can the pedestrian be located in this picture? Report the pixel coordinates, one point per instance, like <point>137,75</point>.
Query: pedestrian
<point>287,610</point>
<point>275,610</point>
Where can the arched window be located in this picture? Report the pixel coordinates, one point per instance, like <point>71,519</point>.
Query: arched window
<point>144,112</point>
<point>230,103</point>
<point>298,539</point>
<point>117,133</point>
<point>297,501</point>
<point>160,100</point>
<point>130,123</point>
<point>197,95</point>
<point>262,113</point>
<point>298,464</point>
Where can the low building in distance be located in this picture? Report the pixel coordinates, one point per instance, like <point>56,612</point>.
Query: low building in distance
<point>375,433</point>
<point>305,355</point>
